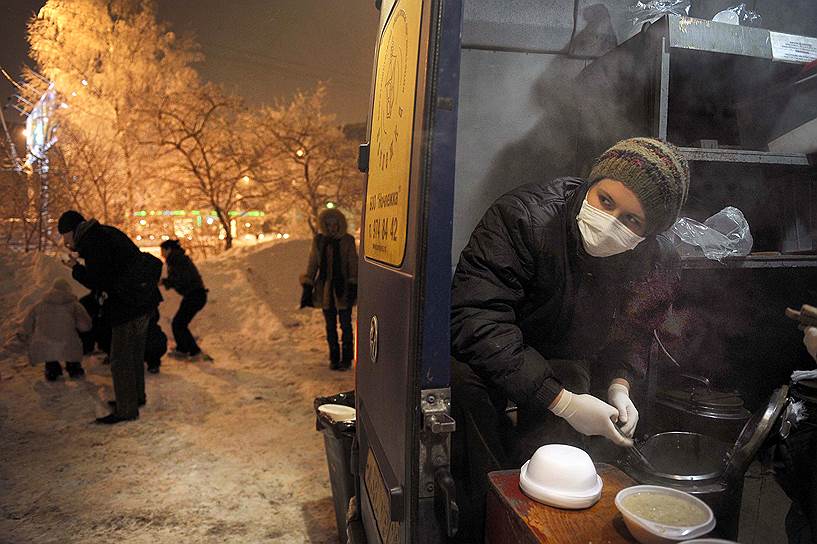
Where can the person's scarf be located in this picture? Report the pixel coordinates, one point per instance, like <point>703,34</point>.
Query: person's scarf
<point>338,281</point>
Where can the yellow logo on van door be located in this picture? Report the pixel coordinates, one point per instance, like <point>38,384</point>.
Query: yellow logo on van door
<point>392,130</point>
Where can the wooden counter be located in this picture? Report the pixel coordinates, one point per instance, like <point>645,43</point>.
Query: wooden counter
<point>512,517</point>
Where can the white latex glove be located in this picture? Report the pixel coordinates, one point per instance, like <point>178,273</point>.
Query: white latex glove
<point>590,416</point>
<point>618,395</point>
<point>810,340</point>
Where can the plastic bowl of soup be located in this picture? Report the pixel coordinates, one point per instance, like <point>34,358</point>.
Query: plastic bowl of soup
<point>660,515</point>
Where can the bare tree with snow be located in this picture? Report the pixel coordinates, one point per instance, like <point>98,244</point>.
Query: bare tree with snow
<point>111,62</point>
<point>203,128</point>
<point>309,160</point>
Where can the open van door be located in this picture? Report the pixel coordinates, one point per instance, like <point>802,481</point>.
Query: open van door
<point>402,379</point>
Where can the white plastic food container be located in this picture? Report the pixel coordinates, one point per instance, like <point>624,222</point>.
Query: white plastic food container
<point>338,412</point>
<point>650,532</point>
<point>562,476</point>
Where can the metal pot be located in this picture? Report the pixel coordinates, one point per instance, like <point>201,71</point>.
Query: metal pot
<point>700,409</point>
<point>706,467</point>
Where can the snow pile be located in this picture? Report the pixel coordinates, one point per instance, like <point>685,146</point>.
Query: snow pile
<point>223,452</point>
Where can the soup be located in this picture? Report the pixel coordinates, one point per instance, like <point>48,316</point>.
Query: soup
<point>665,509</point>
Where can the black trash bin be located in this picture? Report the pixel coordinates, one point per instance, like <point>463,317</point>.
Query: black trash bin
<point>338,435</point>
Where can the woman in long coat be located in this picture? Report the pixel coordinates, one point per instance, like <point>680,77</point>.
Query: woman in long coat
<point>330,283</point>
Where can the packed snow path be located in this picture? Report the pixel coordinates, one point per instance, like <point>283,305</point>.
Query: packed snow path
<point>224,451</point>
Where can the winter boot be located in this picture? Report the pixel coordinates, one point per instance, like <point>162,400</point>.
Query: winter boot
<point>75,369</point>
<point>53,370</point>
<point>348,357</point>
<point>334,355</point>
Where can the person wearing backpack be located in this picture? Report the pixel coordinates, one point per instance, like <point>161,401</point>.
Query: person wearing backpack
<point>115,266</point>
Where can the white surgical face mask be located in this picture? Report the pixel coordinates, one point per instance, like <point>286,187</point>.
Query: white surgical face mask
<point>602,234</point>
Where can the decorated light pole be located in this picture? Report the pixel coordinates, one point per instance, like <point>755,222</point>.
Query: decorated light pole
<point>41,126</point>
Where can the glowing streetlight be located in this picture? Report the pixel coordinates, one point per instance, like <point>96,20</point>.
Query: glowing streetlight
<point>246,179</point>
<point>300,153</point>
<point>84,82</point>
<point>330,205</point>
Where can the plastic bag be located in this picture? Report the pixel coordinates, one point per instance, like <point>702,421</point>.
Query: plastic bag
<point>725,234</point>
<point>738,15</point>
<point>650,10</point>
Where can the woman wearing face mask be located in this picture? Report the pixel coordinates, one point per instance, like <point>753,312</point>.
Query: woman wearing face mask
<point>557,294</point>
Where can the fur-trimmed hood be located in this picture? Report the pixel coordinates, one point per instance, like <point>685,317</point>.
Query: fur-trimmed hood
<point>57,296</point>
<point>336,213</point>
<point>59,293</point>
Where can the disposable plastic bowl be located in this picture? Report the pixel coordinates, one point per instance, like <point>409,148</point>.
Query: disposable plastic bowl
<point>650,532</point>
<point>562,476</point>
<point>338,412</point>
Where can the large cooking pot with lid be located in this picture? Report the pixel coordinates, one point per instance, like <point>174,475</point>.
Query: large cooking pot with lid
<point>696,407</point>
<point>707,467</point>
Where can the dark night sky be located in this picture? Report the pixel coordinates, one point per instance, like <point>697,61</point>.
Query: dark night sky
<point>260,49</point>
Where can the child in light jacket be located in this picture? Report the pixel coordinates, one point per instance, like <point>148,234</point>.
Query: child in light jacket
<point>51,328</point>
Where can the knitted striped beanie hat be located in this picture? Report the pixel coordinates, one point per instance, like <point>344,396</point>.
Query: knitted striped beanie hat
<point>654,170</point>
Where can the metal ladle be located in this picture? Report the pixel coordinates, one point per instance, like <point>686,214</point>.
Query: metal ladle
<point>635,452</point>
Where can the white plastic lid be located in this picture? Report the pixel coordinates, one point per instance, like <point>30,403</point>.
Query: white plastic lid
<point>562,476</point>
<point>710,541</point>
<point>338,412</point>
<point>728,16</point>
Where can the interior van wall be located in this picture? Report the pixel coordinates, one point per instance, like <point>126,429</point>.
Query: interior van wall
<point>517,117</point>
<point>515,126</point>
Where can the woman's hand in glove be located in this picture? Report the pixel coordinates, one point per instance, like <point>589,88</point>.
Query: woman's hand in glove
<point>306,296</point>
<point>618,395</point>
<point>589,416</point>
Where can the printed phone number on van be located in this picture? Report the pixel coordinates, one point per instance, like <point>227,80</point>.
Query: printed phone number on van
<point>383,228</point>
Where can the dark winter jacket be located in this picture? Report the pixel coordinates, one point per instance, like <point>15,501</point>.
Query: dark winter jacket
<point>332,266</point>
<point>100,333</point>
<point>116,267</point>
<point>182,274</point>
<point>525,291</point>
<point>155,340</point>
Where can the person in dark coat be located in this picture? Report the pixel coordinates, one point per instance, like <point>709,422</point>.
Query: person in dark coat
<point>100,334</point>
<point>184,277</point>
<point>557,293</point>
<point>127,280</point>
<point>155,345</point>
<point>330,283</point>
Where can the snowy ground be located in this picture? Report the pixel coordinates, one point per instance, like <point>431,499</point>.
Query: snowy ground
<point>223,452</point>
